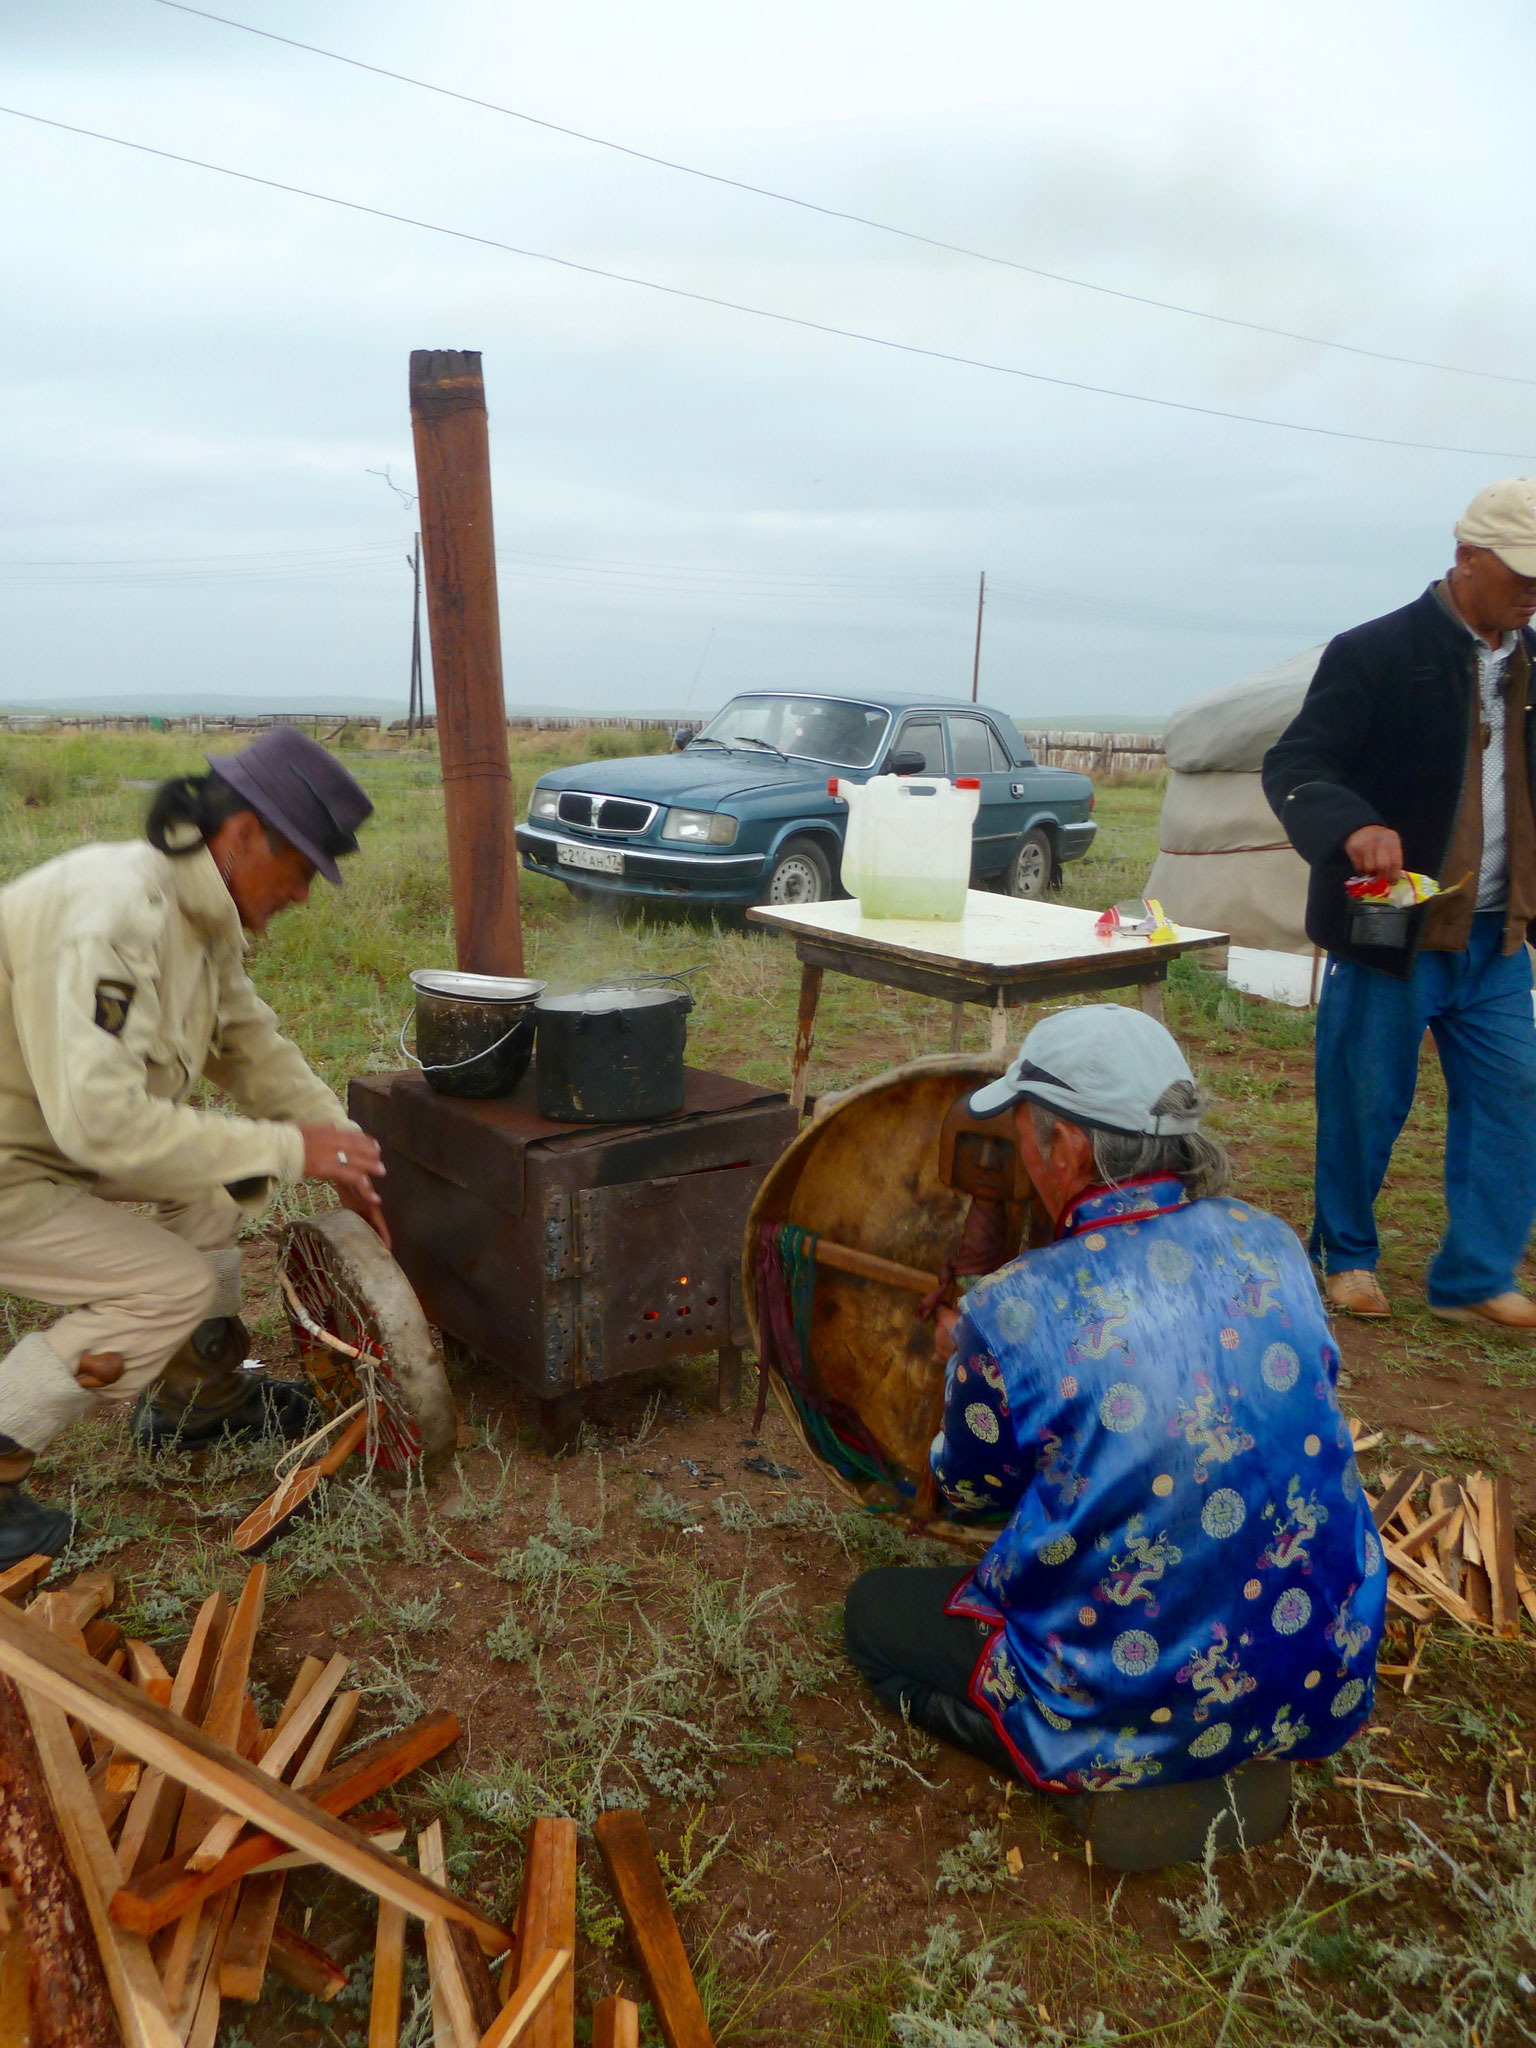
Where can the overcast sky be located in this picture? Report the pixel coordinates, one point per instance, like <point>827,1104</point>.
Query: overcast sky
<point>201,376</point>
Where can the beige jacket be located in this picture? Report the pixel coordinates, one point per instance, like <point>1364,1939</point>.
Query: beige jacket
<point>122,985</point>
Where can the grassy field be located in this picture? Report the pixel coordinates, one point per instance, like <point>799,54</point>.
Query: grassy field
<point>648,1620</point>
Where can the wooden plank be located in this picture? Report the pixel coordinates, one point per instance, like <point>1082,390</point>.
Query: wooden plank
<point>18,1580</point>
<point>131,1974</point>
<point>147,1671</point>
<point>547,1920</point>
<point>547,1975</point>
<point>1429,1584</point>
<point>111,1705</point>
<point>616,2023</point>
<point>1496,1534</point>
<point>151,1819</point>
<point>285,1746</point>
<point>306,1966</point>
<point>70,2000</point>
<point>1394,1493</point>
<point>250,1943</point>
<point>388,1975</point>
<point>334,1730</point>
<point>164,1893</point>
<point>1424,1532</point>
<point>653,1932</point>
<point>308,1671</point>
<point>448,1984</point>
<point>87,1595</point>
<point>196,2017</point>
<point>243,1970</point>
<point>103,1638</point>
<point>226,1699</point>
<point>1526,1591</point>
<point>385,1827</point>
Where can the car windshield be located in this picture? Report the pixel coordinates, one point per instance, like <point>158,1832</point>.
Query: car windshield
<point>827,729</point>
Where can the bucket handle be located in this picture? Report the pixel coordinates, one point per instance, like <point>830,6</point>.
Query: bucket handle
<point>451,1066</point>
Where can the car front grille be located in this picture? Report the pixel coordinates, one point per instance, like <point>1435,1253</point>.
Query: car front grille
<point>604,813</point>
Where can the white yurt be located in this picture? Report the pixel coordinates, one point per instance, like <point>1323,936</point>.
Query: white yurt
<point>1223,862</point>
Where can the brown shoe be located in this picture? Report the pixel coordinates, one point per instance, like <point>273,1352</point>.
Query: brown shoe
<point>1511,1312</point>
<point>1356,1293</point>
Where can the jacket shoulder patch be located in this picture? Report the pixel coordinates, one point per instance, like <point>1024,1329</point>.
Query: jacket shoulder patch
<point>113,999</point>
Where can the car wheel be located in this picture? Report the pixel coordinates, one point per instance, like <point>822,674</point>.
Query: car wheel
<point>801,873</point>
<point>1029,872</point>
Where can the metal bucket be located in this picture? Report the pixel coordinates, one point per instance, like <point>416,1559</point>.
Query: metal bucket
<point>474,1032</point>
<point>612,1054</point>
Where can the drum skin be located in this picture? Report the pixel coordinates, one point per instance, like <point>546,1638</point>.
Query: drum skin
<point>865,1173</point>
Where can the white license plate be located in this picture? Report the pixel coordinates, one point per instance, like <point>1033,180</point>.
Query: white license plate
<point>597,860</point>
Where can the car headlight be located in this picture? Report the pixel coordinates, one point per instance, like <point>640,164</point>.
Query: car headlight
<point>701,828</point>
<point>545,804</point>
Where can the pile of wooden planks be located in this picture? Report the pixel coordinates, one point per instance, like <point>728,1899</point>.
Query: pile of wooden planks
<point>1450,1548</point>
<point>156,1809</point>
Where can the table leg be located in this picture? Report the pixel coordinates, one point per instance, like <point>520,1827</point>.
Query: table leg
<point>805,1028</point>
<point>956,1027</point>
<point>999,1024</point>
<point>1151,993</point>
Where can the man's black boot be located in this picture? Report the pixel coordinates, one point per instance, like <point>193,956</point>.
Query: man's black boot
<point>205,1395</point>
<point>27,1528</point>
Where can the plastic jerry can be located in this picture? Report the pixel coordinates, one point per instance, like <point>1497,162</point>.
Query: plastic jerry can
<point>907,851</point>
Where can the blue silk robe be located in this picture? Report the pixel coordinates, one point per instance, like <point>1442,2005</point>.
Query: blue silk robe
<point>1191,1577</point>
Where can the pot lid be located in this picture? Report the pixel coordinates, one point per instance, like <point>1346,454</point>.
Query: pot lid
<point>475,988</point>
<point>596,1001</point>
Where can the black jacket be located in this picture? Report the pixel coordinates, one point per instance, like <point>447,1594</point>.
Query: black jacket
<point>1380,740</point>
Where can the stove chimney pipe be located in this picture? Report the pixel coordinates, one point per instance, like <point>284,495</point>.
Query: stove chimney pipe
<point>453,477</point>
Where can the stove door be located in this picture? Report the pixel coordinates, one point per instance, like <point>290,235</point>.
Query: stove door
<point>660,1269</point>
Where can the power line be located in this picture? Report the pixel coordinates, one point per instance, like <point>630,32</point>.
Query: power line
<point>673,291</point>
<point>838,213</point>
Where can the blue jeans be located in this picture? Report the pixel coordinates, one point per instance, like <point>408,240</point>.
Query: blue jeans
<point>1477,1005</point>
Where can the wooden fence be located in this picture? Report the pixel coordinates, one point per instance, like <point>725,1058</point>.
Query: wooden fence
<point>1099,753</point>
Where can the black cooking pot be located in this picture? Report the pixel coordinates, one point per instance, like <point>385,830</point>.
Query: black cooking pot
<point>474,1032</point>
<point>612,1054</point>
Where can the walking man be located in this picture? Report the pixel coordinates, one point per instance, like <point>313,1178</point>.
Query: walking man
<point>1414,751</point>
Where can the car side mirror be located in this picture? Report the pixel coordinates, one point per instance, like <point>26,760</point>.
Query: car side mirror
<point>907,762</point>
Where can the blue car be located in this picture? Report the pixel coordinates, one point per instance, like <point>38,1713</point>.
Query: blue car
<point>741,814</point>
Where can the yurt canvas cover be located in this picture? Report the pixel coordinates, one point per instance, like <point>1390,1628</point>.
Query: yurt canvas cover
<point>1223,861</point>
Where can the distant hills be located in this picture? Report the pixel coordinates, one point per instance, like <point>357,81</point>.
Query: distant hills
<point>183,704</point>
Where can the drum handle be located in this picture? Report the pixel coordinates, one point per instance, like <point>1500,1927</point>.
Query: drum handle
<point>449,1066</point>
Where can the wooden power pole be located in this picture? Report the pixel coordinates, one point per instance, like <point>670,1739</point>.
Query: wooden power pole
<point>981,600</point>
<point>453,477</point>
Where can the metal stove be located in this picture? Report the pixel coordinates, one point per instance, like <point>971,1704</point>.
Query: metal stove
<point>574,1254</point>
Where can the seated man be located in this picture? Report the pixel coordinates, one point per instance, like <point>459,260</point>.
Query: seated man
<point>1190,1577</point>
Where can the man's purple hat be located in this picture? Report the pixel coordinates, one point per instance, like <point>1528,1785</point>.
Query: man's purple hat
<point>296,787</point>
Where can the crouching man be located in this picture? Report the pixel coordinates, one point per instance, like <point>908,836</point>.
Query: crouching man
<point>1189,1577</point>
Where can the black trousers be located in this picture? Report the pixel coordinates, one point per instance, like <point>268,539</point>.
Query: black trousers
<point>918,1660</point>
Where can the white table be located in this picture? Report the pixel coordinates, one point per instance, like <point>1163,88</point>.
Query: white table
<point>1004,952</point>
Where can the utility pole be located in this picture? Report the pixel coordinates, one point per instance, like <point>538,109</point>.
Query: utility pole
<point>417,706</point>
<point>981,599</point>
<point>453,472</point>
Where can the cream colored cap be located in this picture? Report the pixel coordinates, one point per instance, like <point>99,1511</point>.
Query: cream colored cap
<point>1502,518</point>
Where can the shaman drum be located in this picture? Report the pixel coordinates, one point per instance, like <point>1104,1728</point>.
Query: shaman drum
<point>876,1171</point>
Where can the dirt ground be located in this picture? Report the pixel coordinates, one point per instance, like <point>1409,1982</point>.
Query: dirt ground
<point>657,1597</point>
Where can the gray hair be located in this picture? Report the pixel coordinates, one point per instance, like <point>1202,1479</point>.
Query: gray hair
<point>1201,1163</point>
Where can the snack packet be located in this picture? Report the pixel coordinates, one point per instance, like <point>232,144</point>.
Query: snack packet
<point>1144,920</point>
<point>1377,893</point>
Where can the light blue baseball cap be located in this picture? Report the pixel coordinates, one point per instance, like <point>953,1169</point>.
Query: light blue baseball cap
<point>1102,1067</point>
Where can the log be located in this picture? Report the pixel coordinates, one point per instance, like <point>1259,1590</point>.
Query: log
<point>159,1896</point>
<point>653,1932</point>
<point>67,1991</point>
